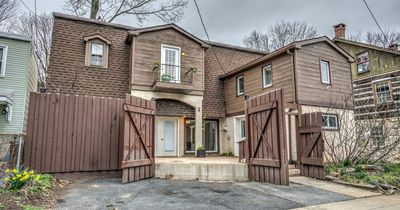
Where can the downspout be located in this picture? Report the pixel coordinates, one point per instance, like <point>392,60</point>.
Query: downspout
<point>289,116</point>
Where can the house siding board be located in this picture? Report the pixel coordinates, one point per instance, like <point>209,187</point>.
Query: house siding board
<point>230,59</point>
<point>148,51</point>
<point>67,70</point>
<point>310,89</point>
<point>16,80</point>
<point>380,61</point>
<point>282,77</point>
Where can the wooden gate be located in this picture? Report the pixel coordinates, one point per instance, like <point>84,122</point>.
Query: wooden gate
<point>311,146</point>
<point>138,157</point>
<point>266,142</point>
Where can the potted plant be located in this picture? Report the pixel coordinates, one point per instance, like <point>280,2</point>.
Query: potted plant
<point>166,78</point>
<point>201,152</point>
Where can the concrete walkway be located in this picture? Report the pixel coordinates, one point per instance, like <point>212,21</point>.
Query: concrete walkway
<point>370,203</point>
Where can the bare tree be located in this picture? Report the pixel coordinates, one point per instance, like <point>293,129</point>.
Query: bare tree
<point>40,29</point>
<point>109,10</point>
<point>8,9</point>
<point>279,35</point>
<point>257,40</point>
<point>389,37</point>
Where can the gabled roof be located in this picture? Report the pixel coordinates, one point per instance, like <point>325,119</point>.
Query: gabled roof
<point>370,46</point>
<point>15,36</point>
<point>97,36</point>
<point>293,45</point>
<point>139,31</point>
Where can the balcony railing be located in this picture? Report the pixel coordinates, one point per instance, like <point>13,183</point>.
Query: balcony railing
<point>173,74</point>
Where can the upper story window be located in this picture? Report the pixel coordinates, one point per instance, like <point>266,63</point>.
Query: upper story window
<point>383,92</point>
<point>267,76</point>
<point>97,54</point>
<point>325,72</point>
<point>170,64</point>
<point>330,121</point>
<point>240,85</point>
<point>3,58</point>
<point>362,62</point>
<point>97,48</point>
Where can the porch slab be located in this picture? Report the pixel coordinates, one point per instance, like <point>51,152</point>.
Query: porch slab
<point>205,169</point>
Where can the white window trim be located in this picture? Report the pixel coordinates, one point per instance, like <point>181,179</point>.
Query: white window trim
<point>4,61</point>
<point>357,63</point>
<point>330,127</point>
<point>103,52</point>
<point>178,60</point>
<point>388,81</point>
<point>263,76</point>
<point>238,121</point>
<point>329,72</point>
<point>237,85</point>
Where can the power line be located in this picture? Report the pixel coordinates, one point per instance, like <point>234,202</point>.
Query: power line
<point>376,21</point>
<point>208,37</point>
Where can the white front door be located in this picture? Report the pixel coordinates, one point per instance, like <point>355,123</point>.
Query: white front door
<point>166,136</point>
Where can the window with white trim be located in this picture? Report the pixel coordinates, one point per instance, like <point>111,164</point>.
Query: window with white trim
<point>267,75</point>
<point>96,54</point>
<point>240,85</point>
<point>362,61</point>
<point>325,72</point>
<point>170,64</point>
<point>3,59</point>
<point>330,121</point>
<point>383,92</point>
<point>377,138</point>
<point>240,128</point>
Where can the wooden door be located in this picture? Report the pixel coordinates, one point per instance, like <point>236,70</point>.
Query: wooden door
<point>266,142</point>
<point>138,157</point>
<point>311,146</point>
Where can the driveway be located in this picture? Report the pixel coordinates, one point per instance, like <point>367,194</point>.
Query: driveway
<point>168,194</point>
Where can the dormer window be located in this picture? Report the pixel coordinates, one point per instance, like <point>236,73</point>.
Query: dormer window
<point>97,48</point>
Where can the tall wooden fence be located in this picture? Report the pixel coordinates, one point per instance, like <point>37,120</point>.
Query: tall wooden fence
<point>69,133</point>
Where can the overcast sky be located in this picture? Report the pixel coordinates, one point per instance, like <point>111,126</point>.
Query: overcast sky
<point>229,21</point>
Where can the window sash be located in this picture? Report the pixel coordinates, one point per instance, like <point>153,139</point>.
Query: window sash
<point>330,121</point>
<point>325,72</point>
<point>267,76</point>
<point>383,92</point>
<point>240,85</point>
<point>362,61</point>
<point>377,136</point>
<point>96,54</point>
<point>3,59</point>
<point>171,62</point>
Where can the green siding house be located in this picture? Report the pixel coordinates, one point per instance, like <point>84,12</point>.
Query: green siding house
<point>18,77</point>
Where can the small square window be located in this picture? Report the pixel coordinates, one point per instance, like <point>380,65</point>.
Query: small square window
<point>325,72</point>
<point>267,76</point>
<point>383,92</point>
<point>240,85</point>
<point>362,61</point>
<point>97,52</point>
<point>330,121</point>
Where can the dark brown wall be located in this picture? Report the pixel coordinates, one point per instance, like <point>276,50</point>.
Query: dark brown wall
<point>214,102</point>
<point>310,89</point>
<point>67,70</point>
<point>148,51</point>
<point>282,77</point>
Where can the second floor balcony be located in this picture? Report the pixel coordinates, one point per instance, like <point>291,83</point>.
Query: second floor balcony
<point>172,78</point>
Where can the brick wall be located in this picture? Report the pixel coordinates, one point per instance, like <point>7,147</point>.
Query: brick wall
<point>230,58</point>
<point>67,70</point>
<point>165,107</point>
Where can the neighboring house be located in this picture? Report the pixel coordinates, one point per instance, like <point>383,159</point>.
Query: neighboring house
<point>376,85</point>
<point>18,77</point>
<point>163,63</point>
<point>314,73</point>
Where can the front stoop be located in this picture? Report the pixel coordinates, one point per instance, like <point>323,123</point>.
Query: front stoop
<point>205,169</point>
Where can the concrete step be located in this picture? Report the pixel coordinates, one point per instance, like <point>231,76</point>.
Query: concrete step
<point>206,169</point>
<point>294,172</point>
